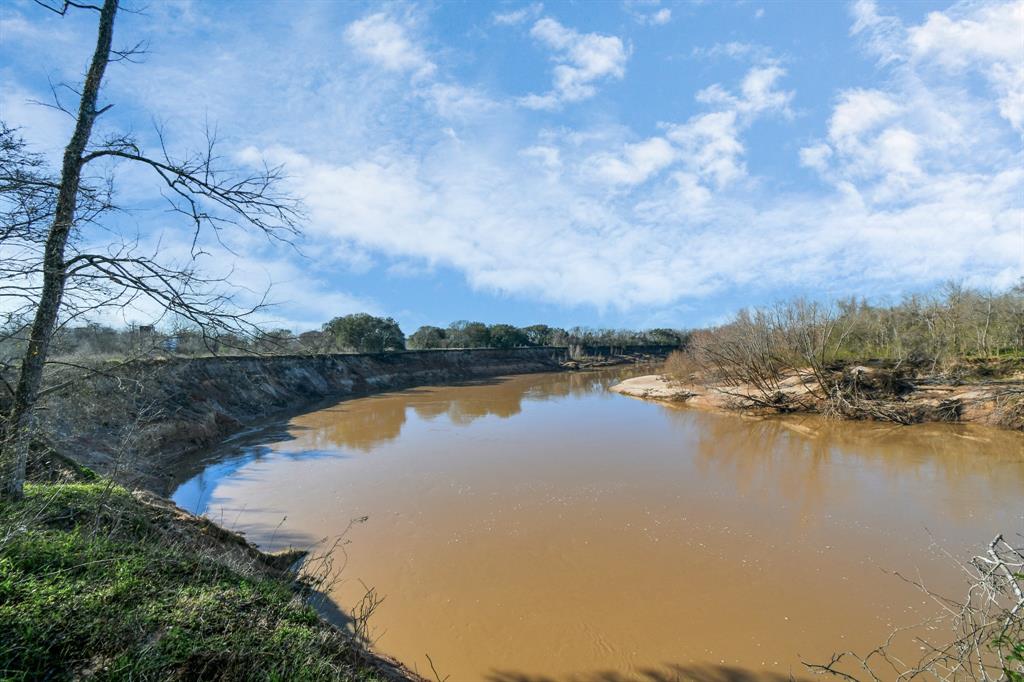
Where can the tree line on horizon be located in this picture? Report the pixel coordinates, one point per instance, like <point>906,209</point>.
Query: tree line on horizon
<point>952,321</point>
<point>358,332</point>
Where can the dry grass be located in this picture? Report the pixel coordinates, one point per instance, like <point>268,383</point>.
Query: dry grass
<point>680,366</point>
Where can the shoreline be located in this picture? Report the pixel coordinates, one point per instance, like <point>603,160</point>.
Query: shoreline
<point>139,421</point>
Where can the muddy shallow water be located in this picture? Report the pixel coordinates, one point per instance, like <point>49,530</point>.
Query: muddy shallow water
<point>539,527</point>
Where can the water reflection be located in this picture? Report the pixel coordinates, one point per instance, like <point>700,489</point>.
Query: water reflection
<point>366,423</point>
<point>803,459</point>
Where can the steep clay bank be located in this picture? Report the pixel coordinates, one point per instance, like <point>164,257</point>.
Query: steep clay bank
<point>994,403</point>
<point>137,420</point>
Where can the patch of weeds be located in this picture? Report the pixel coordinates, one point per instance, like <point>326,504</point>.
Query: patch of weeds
<point>92,585</point>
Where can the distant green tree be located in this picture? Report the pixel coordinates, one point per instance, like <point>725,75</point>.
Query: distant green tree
<point>558,337</point>
<point>313,341</point>
<point>465,334</point>
<point>275,341</point>
<point>507,336</point>
<point>664,337</point>
<point>365,333</point>
<point>539,335</point>
<point>543,335</point>
<point>428,337</point>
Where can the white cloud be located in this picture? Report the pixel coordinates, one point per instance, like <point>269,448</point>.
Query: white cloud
<point>636,164</point>
<point>988,38</point>
<point>926,128</point>
<point>899,148</point>
<point>385,42</point>
<point>869,138</point>
<point>647,12</point>
<point>991,33</point>
<point>301,296</point>
<point>47,128</point>
<point>710,143</point>
<point>518,16</point>
<point>981,37</point>
<point>857,112</point>
<point>925,162</point>
<point>513,229</point>
<point>454,101</point>
<point>581,59</point>
<point>881,33</point>
<point>453,208</point>
<point>712,146</point>
<point>816,156</point>
<point>759,92</point>
<point>548,156</point>
<point>734,49</point>
<point>662,16</point>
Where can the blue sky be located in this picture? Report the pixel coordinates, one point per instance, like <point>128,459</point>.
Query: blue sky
<point>596,163</point>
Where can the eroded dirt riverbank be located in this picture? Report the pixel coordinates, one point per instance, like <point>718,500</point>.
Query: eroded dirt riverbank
<point>542,527</point>
<point>141,420</point>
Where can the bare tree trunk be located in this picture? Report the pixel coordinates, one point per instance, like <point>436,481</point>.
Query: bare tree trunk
<point>16,436</point>
<point>988,323</point>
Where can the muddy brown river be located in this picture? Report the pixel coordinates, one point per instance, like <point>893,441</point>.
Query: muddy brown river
<point>539,527</point>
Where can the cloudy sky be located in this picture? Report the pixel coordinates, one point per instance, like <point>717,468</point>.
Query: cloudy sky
<point>636,163</point>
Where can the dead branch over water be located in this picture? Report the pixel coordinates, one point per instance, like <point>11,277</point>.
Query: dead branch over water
<point>979,636</point>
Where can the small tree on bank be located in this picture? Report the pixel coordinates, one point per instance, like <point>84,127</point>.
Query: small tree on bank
<point>507,336</point>
<point>543,335</point>
<point>465,334</point>
<point>365,333</point>
<point>428,337</point>
<point>61,282</point>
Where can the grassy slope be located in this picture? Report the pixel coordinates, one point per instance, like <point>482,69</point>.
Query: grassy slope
<point>96,581</point>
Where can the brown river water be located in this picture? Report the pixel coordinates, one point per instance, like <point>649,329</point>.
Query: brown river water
<point>539,527</point>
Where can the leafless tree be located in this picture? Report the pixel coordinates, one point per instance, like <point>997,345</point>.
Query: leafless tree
<point>51,278</point>
<point>954,331</point>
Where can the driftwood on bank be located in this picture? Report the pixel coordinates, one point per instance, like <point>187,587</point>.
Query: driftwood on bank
<point>857,392</point>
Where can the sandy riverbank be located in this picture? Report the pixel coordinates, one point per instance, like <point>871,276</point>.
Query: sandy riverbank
<point>994,403</point>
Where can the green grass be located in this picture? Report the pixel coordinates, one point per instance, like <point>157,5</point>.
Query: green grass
<point>95,583</point>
